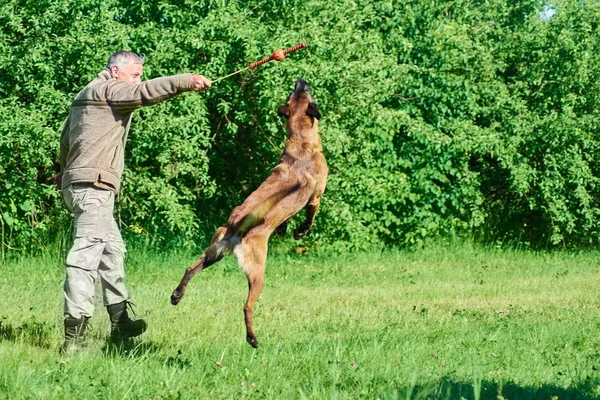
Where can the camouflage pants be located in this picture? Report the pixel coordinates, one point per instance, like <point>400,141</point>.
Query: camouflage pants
<point>98,251</point>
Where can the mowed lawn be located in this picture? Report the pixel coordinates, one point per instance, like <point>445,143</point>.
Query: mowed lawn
<point>445,322</point>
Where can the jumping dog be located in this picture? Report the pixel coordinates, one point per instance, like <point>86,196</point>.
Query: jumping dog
<point>296,183</point>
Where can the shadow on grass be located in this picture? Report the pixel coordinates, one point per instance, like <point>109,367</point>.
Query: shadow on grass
<point>135,349</point>
<point>33,333</point>
<point>488,390</point>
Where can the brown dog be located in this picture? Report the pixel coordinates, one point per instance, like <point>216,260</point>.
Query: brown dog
<point>297,182</point>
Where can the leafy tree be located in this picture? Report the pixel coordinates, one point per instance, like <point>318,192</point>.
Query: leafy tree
<point>440,118</point>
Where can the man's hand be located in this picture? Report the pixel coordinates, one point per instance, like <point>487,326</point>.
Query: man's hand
<point>58,180</point>
<point>199,82</point>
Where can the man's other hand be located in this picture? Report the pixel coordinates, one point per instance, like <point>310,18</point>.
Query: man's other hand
<point>58,180</point>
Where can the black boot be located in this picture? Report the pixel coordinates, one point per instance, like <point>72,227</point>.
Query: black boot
<point>121,326</point>
<point>74,335</point>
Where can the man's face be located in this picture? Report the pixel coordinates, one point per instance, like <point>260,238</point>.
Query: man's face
<point>128,73</point>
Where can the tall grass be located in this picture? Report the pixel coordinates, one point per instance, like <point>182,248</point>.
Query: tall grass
<point>446,322</point>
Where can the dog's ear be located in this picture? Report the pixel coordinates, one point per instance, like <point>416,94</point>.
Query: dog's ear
<point>283,111</point>
<point>313,111</point>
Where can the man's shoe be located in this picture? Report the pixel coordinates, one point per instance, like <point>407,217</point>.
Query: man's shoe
<point>74,335</point>
<point>121,326</point>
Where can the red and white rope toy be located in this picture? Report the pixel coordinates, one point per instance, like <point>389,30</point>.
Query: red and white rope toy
<point>278,55</point>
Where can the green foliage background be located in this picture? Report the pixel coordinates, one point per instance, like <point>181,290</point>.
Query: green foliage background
<point>456,118</point>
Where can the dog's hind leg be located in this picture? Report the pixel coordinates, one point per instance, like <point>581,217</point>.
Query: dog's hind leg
<point>219,246</point>
<point>252,256</point>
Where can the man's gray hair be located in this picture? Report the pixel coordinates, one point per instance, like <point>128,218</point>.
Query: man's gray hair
<point>121,58</point>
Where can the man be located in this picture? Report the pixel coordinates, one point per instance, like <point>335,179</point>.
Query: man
<point>92,148</point>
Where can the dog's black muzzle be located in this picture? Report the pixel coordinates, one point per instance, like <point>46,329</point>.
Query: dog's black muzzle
<point>301,86</point>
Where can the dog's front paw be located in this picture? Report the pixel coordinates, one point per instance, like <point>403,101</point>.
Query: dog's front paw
<point>301,231</point>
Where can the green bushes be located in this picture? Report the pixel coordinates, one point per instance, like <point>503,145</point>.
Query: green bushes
<point>458,118</point>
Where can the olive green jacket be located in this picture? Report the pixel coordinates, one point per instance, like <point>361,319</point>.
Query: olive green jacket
<point>94,135</point>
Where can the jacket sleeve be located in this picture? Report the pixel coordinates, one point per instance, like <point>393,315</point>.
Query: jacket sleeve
<point>64,144</point>
<point>126,97</point>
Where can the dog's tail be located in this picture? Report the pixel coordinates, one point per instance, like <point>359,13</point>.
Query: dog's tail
<point>255,216</point>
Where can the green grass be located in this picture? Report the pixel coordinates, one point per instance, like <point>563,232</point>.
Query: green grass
<point>440,323</point>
